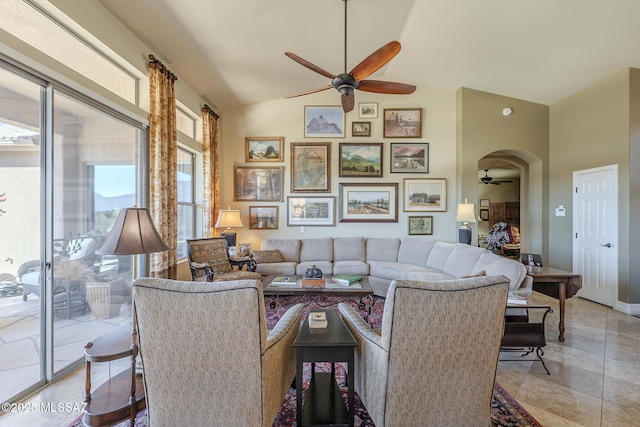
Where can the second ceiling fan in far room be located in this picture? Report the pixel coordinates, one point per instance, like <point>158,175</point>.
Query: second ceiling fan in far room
<point>347,83</point>
<point>486,179</point>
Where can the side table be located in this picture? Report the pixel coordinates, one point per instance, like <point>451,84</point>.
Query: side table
<point>520,334</point>
<point>122,396</point>
<point>323,404</point>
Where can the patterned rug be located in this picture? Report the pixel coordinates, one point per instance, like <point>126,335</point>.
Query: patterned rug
<point>505,411</point>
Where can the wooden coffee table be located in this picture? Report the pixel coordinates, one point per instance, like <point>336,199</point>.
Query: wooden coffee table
<point>361,290</point>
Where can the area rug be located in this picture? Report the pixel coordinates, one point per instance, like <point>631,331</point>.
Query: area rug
<point>505,410</point>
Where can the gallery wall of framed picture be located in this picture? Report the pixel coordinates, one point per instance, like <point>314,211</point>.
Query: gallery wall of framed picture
<point>373,142</point>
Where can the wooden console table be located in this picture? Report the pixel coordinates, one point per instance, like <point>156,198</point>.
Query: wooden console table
<point>558,284</point>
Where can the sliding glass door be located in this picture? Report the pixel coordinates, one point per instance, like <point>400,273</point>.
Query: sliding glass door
<point>67,167</point>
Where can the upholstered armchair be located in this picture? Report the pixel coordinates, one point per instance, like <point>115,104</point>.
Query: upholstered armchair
<point>434,361</point>
<point>209,261</point>
<point>207,356</point>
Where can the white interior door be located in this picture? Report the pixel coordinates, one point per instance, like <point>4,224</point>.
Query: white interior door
<point>595,227</point>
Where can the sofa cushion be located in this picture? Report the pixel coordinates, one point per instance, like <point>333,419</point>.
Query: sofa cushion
<point>415,250</point>
<point>267,256</point>
<point>320,249</point>
<point>495,265</point>
<point>393,270</point>
<point>289,248</point>
<point>429,276</point>
<point>349,249</point>
<point>462,260</point>
<point>350,267</point>
<point>382,249</point>
<point>286,268</point>
<point>439,255</point>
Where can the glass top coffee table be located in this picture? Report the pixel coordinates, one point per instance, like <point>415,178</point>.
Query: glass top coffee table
<point>360,289</point>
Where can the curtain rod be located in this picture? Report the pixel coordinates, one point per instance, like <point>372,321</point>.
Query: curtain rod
<point>154,62</point>
<point>207,109</point>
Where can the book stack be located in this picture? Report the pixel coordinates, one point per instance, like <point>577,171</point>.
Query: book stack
<point>285,280</point>
<point>317,319</point>
<point>312,283</point>
<point>346,279</point>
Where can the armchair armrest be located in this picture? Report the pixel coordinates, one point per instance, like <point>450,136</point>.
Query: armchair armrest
<point>279,360</point>
<point>208,272</point>
<point>354,319</point>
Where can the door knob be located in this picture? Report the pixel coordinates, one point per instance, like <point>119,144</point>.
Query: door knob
<point>608,245</point>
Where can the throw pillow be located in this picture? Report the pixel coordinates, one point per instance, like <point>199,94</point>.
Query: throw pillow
<point>266,256</point>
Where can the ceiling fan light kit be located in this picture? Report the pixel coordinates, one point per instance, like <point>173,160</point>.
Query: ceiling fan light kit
<point>486,179</point>
<point>346,83</point>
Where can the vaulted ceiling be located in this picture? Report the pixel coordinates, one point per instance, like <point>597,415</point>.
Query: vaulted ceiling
<point>232,52</point>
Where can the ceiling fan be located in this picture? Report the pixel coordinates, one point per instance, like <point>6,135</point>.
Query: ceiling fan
<point>486,179</point>
<point>347,83</point>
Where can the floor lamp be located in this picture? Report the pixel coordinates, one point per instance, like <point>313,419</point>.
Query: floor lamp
<point>465,213</point>
<point>133,234</point>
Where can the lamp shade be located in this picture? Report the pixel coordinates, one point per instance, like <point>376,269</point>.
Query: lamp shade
<point>229,219</point>
<point>132,234</point>
<point>466,212</point>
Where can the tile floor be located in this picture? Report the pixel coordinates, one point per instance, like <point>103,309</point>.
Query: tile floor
<point>594,381</point>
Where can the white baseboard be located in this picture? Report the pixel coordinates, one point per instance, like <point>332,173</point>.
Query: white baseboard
<point>627,308</point>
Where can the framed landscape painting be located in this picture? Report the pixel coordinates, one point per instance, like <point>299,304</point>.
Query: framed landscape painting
<point>407,157</point>
<point>402,123</point>
<point>311,211</point>
<point>360,160</point>
<point>425,195</point>
<point>252,183</point>
<point>264,149</point>
<point>322,122</point>
<point>364,202</point>
<point>361,129</point>
<point>368,110</point>
<point>263,217</point>
<point>310,167</point>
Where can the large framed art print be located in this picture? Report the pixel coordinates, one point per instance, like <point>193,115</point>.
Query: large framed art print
<point>257,184</point>
<point>364,202</point>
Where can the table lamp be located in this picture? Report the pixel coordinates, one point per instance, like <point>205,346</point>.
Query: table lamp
<point>465,213</point>
<point>133,234</point>
<point>230,219</point>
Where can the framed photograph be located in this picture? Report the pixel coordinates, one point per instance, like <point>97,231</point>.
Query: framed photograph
<point>484,214</point>
<point>425,195</point>
<point>263,217</point>
<point>264,149</point>
<point>364,202</point>
<point>310,167</point>
<point>402,123</point>
<point>361,129</point>
<point>311,211</point>
<point>485,203</point>
<point>360,160</point>
<point>252,183</point>
<point>368,110</point>
<point>322,122</point>
<point>407,157</point>
<point>420,225</point>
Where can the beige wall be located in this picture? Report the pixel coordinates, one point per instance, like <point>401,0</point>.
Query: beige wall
<point>590,129</point>
<point>522,136</point>
<point>285,117</point>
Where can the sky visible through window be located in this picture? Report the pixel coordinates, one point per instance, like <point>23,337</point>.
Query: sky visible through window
<point>115,180</point>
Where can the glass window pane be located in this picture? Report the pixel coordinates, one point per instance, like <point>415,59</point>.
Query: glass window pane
<point>96,163</point>
<point>185,123</point>
<point>20,304</point>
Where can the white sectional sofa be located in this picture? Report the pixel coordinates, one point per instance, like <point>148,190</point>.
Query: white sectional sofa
<point>386,259</point>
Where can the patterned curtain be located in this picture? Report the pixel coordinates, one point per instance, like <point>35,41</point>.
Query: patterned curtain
<point>211,170</point>
<point>163,165</point>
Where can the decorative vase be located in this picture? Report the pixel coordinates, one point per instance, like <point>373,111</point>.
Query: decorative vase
<point>313,272</point>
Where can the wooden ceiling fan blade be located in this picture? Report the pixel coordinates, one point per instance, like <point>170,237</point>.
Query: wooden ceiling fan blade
<point>348,102</point>
<point>375,61</point>
<point>309,65</point>
<point>310,91</point>
<point>392,88</point>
